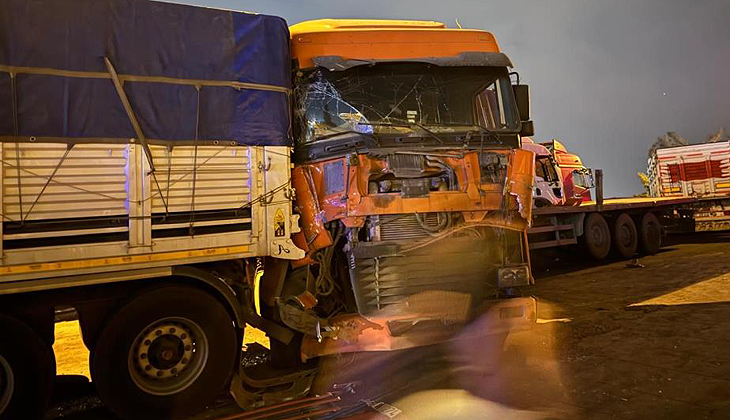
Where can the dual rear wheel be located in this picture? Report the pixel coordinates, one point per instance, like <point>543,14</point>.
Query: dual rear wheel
<point>165,354</point>
<point>27,371</point>
<point>598,238</point>
<point>625,236</point>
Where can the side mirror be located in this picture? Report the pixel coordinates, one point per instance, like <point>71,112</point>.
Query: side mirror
<point>583,178</point>
<point>528,129</point>
<point>590,180</point>
<point>522,97</point>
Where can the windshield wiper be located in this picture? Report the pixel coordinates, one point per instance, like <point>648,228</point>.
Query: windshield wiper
<point>484,130</point>
<point>474,128</point>
<point>405,125</point>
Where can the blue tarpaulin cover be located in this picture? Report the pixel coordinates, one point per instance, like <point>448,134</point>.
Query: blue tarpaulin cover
<point>149,39</point>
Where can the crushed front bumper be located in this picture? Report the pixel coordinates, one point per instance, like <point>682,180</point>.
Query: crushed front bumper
<point>382,332</point>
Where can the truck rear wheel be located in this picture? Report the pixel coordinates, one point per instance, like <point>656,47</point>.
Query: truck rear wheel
<point>625,238</point>
<point>650,234</point>
<point>596,238</point>
<point>165,354</point>
<point>27,371</point>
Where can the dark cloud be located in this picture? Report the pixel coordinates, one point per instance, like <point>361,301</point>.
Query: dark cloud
<point>607,78</point>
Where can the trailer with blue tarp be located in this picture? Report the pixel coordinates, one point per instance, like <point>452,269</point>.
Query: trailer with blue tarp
<point>145,146</point>
<point>134,127</point>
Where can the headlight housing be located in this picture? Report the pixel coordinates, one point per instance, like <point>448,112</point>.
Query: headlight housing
<point>513,276</point>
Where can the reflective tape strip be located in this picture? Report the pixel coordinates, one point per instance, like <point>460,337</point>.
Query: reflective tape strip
<point>123,260</point>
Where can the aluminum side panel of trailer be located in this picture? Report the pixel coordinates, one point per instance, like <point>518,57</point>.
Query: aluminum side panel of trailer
<point>98,207</point>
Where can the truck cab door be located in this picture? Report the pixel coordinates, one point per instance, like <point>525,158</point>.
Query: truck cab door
<point>548,190</point>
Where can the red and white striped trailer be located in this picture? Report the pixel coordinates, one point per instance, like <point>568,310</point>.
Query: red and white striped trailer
<point>700,171</point>
<point>690,191</point>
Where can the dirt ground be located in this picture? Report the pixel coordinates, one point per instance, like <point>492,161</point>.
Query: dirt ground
<point>628,343</point>
<point>611,342</point>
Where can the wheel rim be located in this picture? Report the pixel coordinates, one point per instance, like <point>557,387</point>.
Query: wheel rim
<point>626,237</point>
<point>168,356</point>
<point>652,233</point>
<point>7,384</point>
<point>598,236</point>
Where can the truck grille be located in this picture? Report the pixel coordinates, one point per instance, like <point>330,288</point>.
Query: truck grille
<point>454,264</point>
<point>404,226</point>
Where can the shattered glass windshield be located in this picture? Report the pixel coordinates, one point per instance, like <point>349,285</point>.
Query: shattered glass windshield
<point>395,97</point>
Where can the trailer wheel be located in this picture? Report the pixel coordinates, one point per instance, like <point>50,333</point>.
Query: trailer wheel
<point>165,354</point>
<point>625,238</point>
<point>596,238</point>
<point>27,371</point>
<point>650,234</point>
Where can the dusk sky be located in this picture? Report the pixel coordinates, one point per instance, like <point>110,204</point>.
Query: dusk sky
<point>607,77</point>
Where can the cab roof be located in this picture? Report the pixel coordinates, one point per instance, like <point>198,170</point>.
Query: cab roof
<point>536,148</point>
<point>386,40</point>
<point>325,25</point>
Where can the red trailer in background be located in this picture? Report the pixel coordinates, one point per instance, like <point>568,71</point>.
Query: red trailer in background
<point>700,171</point>
<point>565,213</point>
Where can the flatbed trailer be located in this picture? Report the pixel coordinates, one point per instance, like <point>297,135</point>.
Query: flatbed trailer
<point>625,225</point>
<point>565,214</point>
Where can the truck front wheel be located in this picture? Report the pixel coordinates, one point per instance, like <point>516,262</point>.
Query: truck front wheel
<point>625,238</point>
<point>596,238</point>
<point>165,354</point>
<point>27,371</point>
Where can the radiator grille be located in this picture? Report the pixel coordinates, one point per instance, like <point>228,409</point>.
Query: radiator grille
<point>456,264</point>
<point>404,226</point>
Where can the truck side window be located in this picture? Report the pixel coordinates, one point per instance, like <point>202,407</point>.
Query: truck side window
<point>489,107</point>
<point>551,170</point>
<point>545,170</point>
<point>540,169</point>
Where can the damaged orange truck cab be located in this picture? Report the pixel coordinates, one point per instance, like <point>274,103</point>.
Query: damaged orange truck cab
<point>407,159</point>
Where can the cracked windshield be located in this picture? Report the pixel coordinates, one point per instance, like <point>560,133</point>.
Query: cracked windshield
<point>398,98</point>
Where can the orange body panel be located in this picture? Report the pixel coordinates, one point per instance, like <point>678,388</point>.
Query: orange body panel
<point>568,160</point>
<point>313,235</point>
<point>383,40</point>
<point>520,180</point>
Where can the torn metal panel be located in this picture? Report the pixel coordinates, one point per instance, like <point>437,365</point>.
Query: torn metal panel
<point>354,333</point>
<point>521,179</point>
<point>455,184</point>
